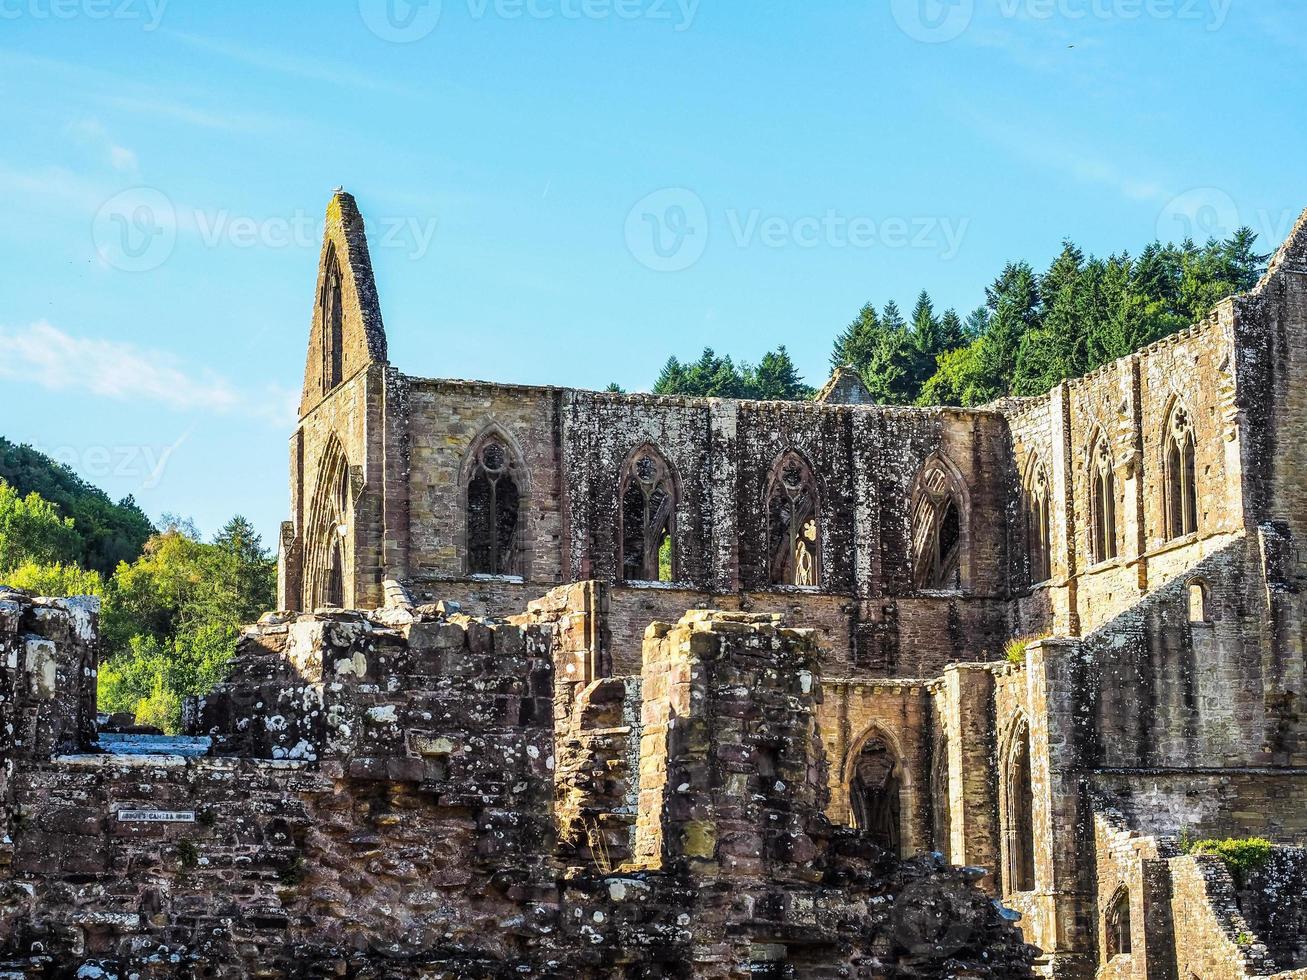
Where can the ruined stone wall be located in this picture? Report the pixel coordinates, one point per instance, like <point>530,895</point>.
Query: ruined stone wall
<point>404,825</point>
<point>49,651</point>
<point>853,710</point>
<point>350,420</point>
<point>1213,939</point>
<point>1168,691</point>
<point>445,420</point>
<point>1211,803</point>
<point>1132,868</point>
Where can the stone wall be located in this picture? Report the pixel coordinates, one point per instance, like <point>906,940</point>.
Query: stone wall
<point>417,793</point>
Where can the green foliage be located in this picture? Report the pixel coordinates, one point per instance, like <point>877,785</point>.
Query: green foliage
<point>55,579</point>
<point>665,560</point>
<point>1241,856</point>
<point>775,378</point>
<point>1037,330</point>
<point>106,533</point>
<point>32,530</point>
<point>188,853</point>
<point>169,620</point>
<point>1014,651</point>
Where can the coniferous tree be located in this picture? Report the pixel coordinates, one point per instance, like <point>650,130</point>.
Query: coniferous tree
<point>776,378</point>
<point>856,344</point>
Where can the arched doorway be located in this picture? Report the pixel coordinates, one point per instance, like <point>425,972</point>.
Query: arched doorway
<point>876,794</point>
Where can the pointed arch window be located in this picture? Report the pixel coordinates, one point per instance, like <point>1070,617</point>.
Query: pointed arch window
<point>1181,495</point>
<point>331,517</point>
<point>1018,815</point>
<point>1117,924</point>
<point>493,503</point>
<point>333,324</point>
<point>793,534</point>
<point>875,794</point>
<point>937,529</point>
<point>1038,540</point>
<point>647,532</point>
<point>1102,502</point>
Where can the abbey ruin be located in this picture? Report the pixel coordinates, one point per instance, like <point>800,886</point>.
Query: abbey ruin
<point>585,684</point>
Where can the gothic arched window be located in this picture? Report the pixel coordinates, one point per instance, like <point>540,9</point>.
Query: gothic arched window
<point>875,794</point>
<point>1102,502</point>
<point>330,532</point>
<point>493,500</point>
<point>937,529</point>
<point>333,324</point>
<point>648,517</point>
<point>793,535</point>
<point>1181,495</point>
<point>1118,924</point>
<point>1018,814</point>
<point>1038,541</point>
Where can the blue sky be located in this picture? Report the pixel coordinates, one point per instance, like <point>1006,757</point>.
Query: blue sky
<point>567,191</point>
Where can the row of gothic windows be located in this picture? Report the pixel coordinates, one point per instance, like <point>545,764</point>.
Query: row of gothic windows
<point>1179,489</point>
<point>648,494</point>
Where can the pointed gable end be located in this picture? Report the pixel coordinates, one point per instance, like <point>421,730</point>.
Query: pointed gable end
<point>845,387</point>
<point>347,333</point>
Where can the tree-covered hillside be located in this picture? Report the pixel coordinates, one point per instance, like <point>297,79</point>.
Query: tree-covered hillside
<point>172,604</point>
<point>104,533</point>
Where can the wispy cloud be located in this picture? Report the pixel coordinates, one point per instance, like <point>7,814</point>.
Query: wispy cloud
<point>92,133</point>
<point>183,112</point>
<point>43,355</point>
<point>285,63</point>
<point>1038,147</point>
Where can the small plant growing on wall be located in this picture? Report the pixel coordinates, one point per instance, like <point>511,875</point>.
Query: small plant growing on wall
<point>1241,856</point>
<point>1015,650</point>
<point>188,853</point>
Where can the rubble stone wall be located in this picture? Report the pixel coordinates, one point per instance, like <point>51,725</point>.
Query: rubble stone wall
<point>416,792</point>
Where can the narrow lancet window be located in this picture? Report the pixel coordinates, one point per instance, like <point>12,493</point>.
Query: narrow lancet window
<point>1037,523</point>
<point>648,505</point>
<point>794,538</point>
<point>1102,502</point>
<point>1181,499</point>
<point>333,325</point>
<point>937,530</point>
<point>492,511</point>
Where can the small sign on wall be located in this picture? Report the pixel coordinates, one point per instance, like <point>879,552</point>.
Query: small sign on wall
<point>156,816</point>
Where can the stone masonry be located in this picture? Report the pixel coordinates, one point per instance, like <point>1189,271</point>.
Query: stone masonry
<point>390,795</point>
<point>1030,614</point>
